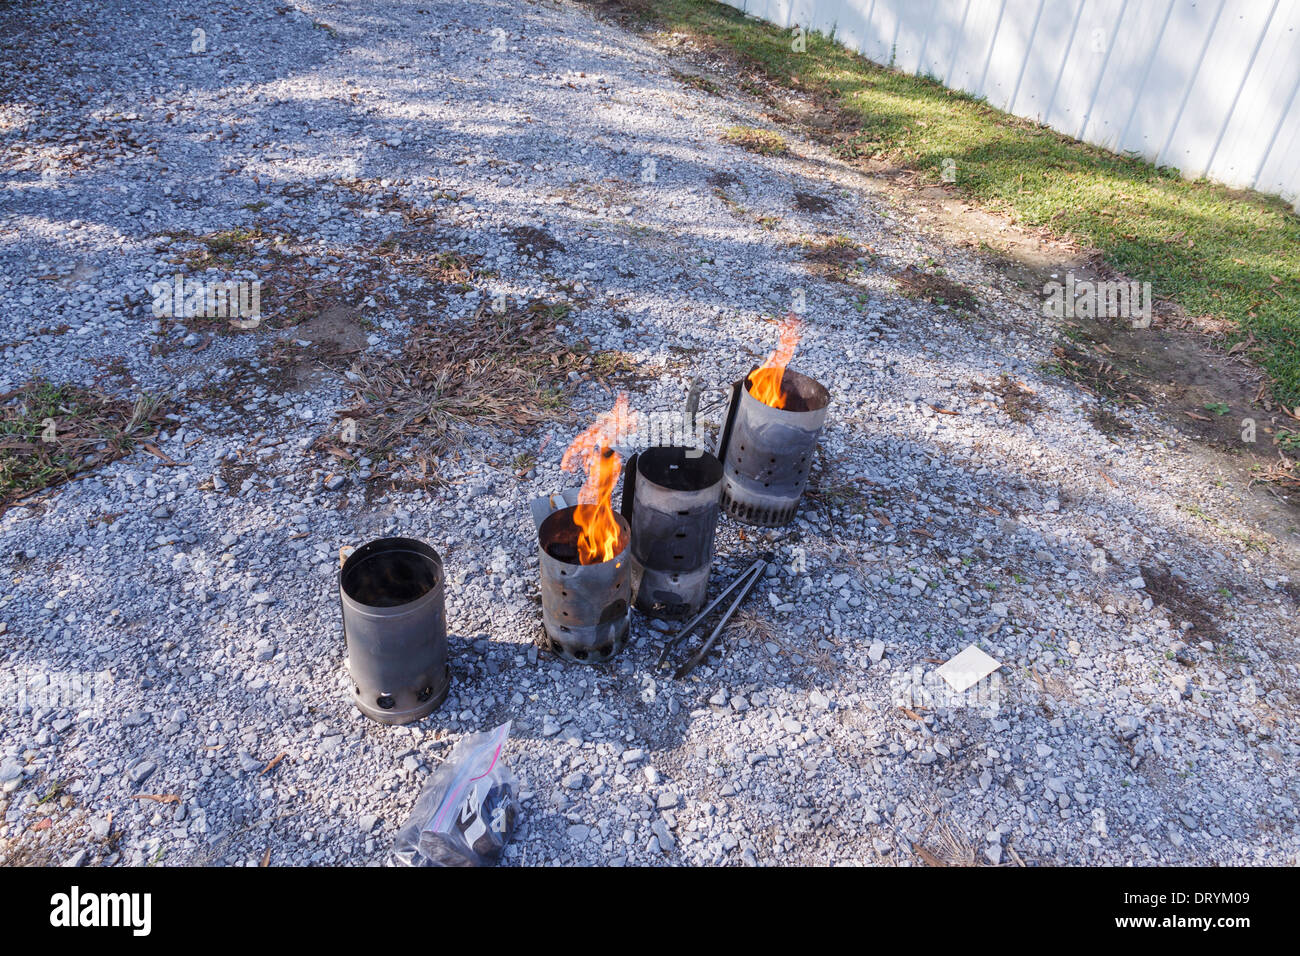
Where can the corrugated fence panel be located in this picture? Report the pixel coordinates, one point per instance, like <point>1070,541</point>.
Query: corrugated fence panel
<point>1050,47</point>
<point>1008,50</point>
<point>1123,71</point>
<point>1242,31</point>
<point>1211,87</point>
<point>913,28</point>
<point>1201,112</point>
<point>1086,65</point>
<point>1267,100</point>
<point>967,69</point>
<point>945,38</point>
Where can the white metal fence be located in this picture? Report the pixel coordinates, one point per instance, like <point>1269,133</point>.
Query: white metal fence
<point>1209,87</point>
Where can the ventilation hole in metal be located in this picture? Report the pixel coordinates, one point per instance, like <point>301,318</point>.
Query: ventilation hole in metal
<point>386,701</point>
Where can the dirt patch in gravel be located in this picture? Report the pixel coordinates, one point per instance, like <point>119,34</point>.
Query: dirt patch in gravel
<point>1174,594</point>
<point>530,239</point>
<point>1099,376</point>
<point>835,257</point>
<point>765,142</point>
<point>809,202</point>
<point>697,82</point>
<point>930,286</point>
<point>1108,423</point>
<point>1019,402</point>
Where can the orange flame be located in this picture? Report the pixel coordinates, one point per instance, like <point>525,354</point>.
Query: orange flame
<point>598,532</point>
<point>765,381</point>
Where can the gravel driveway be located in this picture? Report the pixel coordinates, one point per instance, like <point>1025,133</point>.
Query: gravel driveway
<point>184,605</point>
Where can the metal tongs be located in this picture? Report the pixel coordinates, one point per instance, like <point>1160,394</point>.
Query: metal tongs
<point>745,581</point>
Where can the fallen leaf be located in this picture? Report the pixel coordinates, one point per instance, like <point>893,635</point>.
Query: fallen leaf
<point>275,761</point>
<point>266,860</point>
<point>157,797</point>
<point>42,824</point>
<point>166,459</point>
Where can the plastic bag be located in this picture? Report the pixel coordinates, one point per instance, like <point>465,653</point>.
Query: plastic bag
<point>466,813</point>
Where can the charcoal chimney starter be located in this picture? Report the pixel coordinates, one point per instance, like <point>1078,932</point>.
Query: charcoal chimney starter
<point>672,497</point>
<point>767,452</point>
<point>395,629</point>
<point>585,607</point>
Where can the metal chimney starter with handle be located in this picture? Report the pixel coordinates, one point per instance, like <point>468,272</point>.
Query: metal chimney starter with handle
<point>767,452</point>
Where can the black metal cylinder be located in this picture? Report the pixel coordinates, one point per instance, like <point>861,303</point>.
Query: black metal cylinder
<point>395,628</point>
<point>767,452</point>
<point>585,607</point>
<point>675,505</point>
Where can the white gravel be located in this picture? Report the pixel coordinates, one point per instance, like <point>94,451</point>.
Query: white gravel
<point>1128,727</point>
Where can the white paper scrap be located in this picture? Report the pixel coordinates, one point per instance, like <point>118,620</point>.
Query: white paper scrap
<point>968,668</point>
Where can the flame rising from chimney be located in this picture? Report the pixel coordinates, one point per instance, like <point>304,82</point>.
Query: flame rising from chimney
<point>765,381</point>
<point>593,452</point>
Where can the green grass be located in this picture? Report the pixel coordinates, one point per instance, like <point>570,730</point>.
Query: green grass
<point>51,433</point>
<point>1227,254</point>
<point>763,141</point>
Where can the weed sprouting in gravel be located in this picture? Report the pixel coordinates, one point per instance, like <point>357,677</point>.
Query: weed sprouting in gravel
<point>51,433</point>
<point>762,141</point>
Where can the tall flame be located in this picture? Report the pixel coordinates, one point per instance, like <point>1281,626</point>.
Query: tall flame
<point>765,381</point>
<point>593,451</point>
